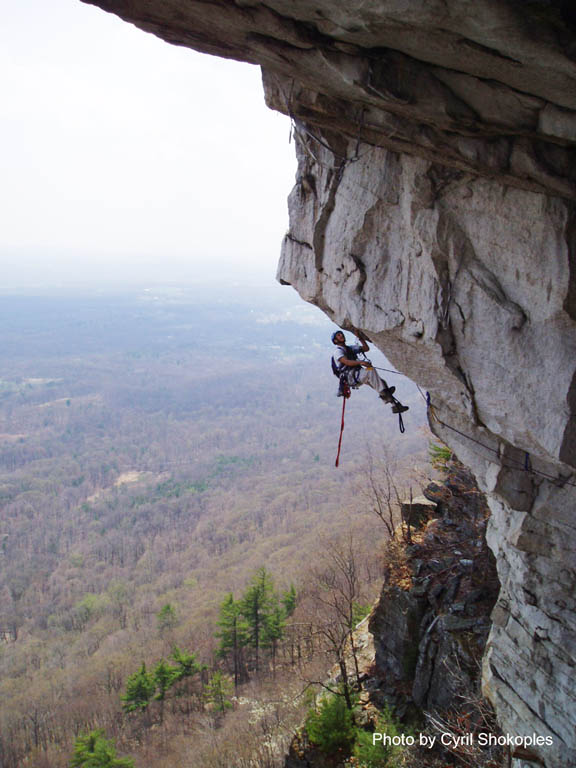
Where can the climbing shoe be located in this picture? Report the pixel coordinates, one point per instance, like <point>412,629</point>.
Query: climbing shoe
<point>399,408</point>
<point>386,394</point>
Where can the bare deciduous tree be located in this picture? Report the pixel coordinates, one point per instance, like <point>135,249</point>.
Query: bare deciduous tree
<point>335,598</point>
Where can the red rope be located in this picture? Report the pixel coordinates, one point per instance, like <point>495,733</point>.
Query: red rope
<point>341,430</point>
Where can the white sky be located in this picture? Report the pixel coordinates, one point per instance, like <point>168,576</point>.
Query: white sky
<point>122,155</point>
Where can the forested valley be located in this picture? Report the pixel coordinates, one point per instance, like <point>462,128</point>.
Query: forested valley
<point>170,511</point>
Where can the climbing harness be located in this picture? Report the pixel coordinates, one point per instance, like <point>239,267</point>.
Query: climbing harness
<point>346,377</point>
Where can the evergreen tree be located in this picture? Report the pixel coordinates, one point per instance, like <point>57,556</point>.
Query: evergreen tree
<point>94,751</point>
<point>218,692</point>
<point>140,688</point>
<point>233,634</point>
<point>289,601</point>
<point>274,629</point>
<point>187,666</point>
<point>380,755</point>
<point>167,618</point>
<point>164,678</point>
<point>256,607</point>
<point>331,725</point>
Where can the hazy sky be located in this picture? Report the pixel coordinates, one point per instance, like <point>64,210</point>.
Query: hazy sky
<point>122,155</point>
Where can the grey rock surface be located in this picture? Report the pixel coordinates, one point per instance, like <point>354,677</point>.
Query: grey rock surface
<point>465,284</point>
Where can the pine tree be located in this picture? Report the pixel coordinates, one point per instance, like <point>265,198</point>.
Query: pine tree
<point>218,692</point>
<point>331,725</point>
<point>233,634</point>
<point>140,688</point>
<point>164,679</point>
<point>167,618</point>
<point>274,629</point>
<point>187,666</point>
<point>288,600</point>
<point>256,607</point>
<point>94,751</point>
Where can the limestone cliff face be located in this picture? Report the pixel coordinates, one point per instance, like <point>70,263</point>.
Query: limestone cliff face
<point>434,210</point>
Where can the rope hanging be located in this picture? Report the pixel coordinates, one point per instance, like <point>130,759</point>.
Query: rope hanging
<point>344,398</point>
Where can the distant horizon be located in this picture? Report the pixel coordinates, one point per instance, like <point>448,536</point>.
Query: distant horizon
<point>129,158</point>
<point>97,280</point>
<point>270,300</point>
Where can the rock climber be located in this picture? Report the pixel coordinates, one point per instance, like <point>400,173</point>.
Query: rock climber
<point>346,362</point>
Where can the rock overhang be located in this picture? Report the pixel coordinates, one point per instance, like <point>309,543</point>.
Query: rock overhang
<point>486,87</point>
